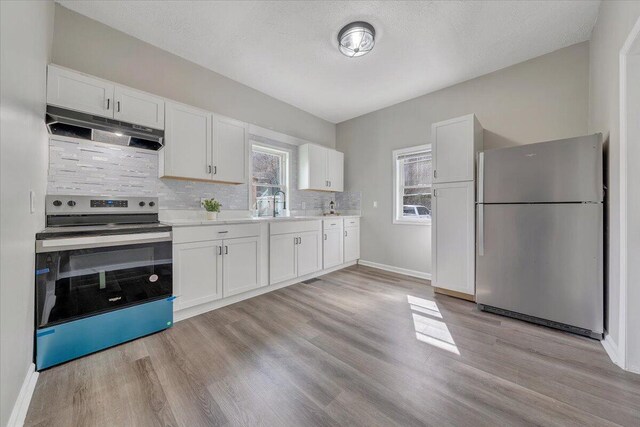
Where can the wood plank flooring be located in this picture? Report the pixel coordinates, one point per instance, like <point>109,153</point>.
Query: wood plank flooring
<point>359,347</point>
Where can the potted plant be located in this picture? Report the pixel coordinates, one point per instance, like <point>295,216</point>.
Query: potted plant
<point>213,207</point>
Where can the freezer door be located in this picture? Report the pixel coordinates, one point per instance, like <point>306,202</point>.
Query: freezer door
<point>542,260</point>
<point>568,170</point>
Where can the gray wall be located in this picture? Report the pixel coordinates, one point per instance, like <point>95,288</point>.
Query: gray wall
<point>540,99</point>
<point>86,45</point>
<point>26,32</point>
<point>615,21</point>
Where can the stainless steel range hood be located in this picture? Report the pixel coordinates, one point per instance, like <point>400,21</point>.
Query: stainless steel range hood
<point>63,122</point>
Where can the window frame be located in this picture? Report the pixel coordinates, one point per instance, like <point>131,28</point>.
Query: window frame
<point>265,148</point>
<point>398,186</point>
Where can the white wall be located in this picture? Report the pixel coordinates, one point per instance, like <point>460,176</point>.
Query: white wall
<point>86,45</point>
<point>615,20</point>
<point>541,99</point>
<point>26,34</point>
<point>633,211</point>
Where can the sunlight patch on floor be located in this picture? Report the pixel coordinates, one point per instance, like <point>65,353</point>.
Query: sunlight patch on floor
<point>430,329</point>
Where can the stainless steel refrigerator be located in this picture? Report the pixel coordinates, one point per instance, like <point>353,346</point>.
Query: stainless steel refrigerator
<point>539,254</point>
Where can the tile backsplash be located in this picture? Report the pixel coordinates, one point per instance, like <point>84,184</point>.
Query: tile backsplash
<point>89,167</point>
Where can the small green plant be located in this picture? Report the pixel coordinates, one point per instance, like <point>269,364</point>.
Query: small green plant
<point>212,205</point>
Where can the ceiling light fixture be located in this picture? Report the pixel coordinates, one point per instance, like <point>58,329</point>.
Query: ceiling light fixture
<point>356,39</point>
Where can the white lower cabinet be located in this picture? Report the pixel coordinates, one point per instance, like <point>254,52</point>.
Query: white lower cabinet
<point>351,239</point>
<point>309,253</point>
<point>197,273</point>
<point>295,250</point>
<point>240,265</point>
<point>332,243</point>
<point>206,268</point>
<point>282,258</point>
<point>452,239</point>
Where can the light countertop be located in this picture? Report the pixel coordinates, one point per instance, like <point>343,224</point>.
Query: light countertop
<point>186,222</point>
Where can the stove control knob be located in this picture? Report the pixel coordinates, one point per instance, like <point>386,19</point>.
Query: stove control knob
<point>71,203</point>
<point>141,204</point>
<point>57,203</point>
<point>152,204</point>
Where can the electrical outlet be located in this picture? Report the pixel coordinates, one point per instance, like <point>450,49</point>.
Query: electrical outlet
<point>375,203</point>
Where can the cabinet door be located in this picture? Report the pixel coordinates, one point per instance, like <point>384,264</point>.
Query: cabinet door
<point>452,238</point>
<point>241,266</point>
<point>197,273</point>
<point>335,170</point>
<point>138,107</point>
<point>76,91</point>
<point>351,244</point>
<point>187,152</point>
<point>230,149</point>
<point>312,168</point>
<point>332,247</point>
<point>309,252</point>
<point>453,149</point>
<point>282,258</point>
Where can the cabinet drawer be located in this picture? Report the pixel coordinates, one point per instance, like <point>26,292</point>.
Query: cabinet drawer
<point>330,224</point>
<point>351,222</point>
<point>203,233</point>
<point>294,227</point>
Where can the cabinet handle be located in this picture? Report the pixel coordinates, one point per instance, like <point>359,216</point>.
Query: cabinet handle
<point>226,250</point>
<point>299,240</point>
<point>209,168</point>
<point>222,232</point>
<point>345,233</point>
<point>329,183</point>
<point>325,237</point>
<point>118,106</point>
<point>108,103</point>
<point>435,173</point>
<point>435,193</point>
<point>215,170</point>
<point>219,250</point>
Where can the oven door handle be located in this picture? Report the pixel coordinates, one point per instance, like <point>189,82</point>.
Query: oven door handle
<point>101,241</point>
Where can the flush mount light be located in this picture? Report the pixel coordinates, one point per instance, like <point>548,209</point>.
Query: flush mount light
<point>356,39</point>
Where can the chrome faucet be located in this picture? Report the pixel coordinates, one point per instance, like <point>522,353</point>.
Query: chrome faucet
<point>284,202</point>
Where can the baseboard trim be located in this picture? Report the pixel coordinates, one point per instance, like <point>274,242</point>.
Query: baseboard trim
<point>188,312</point>
<point>612,350</point>
<point>20,408</point>
<point>405,271</point>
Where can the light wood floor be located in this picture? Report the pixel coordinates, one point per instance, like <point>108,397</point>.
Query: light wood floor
<point>360,347</point>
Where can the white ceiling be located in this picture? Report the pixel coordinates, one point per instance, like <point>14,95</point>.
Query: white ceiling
<point>288,49</point>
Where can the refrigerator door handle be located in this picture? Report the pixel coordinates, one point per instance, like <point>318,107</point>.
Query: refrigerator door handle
<point>480,229</point>
<point>480,177</point>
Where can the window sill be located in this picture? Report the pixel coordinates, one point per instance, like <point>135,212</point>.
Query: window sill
<point>411,222</point>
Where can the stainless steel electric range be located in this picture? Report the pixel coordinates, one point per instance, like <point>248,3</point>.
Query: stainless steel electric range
<point>103,275</point>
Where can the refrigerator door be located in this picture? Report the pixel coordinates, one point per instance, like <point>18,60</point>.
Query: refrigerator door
<point>543,260</point>
<point>567,170</point>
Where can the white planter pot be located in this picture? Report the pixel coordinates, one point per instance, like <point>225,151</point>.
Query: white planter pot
<point>212,215</point>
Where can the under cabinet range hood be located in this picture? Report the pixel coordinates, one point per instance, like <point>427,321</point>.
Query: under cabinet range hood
<point>63,122</point>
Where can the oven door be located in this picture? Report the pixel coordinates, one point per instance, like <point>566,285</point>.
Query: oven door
<point>82,276</point>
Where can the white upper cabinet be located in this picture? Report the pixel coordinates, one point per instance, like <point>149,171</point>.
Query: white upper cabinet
<point>320,168</point>
<point>335,170</point>
<point>453,237</point>
<point>79,92</point>
<point>230,149</point>
<point>202,145</point>
<point>137,107</point>
<point>188,143</point>
<point>455,143</point>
